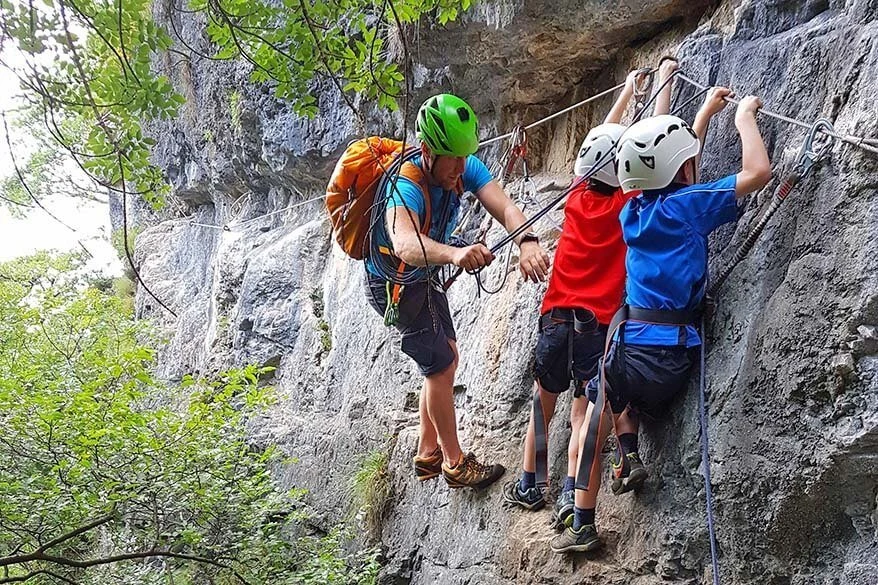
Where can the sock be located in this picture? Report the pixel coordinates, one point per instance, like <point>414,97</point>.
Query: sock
<point>569,483</point>
<point>582,517</point>
<point>528,481</point>
<point>628,442</point>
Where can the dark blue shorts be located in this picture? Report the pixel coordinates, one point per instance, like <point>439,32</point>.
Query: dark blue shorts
<point>552,367</point>
<point>646,377</point>
<point>426,327</point>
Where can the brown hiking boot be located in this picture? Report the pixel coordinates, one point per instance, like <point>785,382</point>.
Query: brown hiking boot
<point>470,473</point>
<point>428,467</point>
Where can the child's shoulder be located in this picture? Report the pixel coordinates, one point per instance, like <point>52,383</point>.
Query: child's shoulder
<point>724,184</point>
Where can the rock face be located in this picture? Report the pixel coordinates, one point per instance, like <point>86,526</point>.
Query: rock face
<point>792,364</point>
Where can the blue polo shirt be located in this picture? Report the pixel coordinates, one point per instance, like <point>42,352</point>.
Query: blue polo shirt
<point>444,205</point>
<point>666,232</point>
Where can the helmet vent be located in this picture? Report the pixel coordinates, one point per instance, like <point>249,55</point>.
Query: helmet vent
<point>598,155</point>
<point>640,144</point>
<point>584,151</point>
<point>463,114</point>
<point>649,161</point>
<point>658,139</point>
<point>673,127</point>
<point>627,166</point>
<point>438,122</point>
<point>692,132</point>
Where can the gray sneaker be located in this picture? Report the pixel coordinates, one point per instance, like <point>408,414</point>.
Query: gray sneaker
<point>530,499</point>
<point>629,475</point>
<point>585,540</point>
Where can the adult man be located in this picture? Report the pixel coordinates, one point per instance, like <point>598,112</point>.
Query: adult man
<point>448,132</point>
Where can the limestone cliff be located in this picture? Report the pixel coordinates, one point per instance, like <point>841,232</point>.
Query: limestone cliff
<point>793,360</point>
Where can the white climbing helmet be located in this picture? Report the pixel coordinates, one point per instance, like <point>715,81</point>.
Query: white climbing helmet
<point>599,141</point>
<point>651,152</point>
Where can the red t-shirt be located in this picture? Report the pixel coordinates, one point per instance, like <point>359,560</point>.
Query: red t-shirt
<point>589,266</point>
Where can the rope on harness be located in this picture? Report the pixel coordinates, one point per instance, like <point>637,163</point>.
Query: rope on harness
<point>705,457</point>
<point>807,159</point>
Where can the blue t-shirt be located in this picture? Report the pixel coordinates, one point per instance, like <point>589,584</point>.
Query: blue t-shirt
<point>666,232</point>
<point>444,205</point>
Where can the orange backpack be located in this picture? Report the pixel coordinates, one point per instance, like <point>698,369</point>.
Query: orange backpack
<point>353,187</point>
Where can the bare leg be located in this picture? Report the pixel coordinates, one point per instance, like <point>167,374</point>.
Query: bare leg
<point>548,400</point>
<point>438,404</point>
<point>577,418</point>
<point>428,441</point>
<point>627,422</point>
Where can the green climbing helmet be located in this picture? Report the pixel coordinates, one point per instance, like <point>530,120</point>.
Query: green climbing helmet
<point>448,126</point>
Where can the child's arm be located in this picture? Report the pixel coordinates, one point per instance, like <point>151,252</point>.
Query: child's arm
<point>615,115</point>
<point>755,166</point>
<point>667,66</point>
<point>713,104</point>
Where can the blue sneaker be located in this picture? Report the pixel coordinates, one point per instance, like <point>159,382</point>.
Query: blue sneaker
<point>562,514</point>
<point>531,499</point>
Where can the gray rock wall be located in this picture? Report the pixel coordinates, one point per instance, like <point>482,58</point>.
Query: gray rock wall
<point>793,349</point>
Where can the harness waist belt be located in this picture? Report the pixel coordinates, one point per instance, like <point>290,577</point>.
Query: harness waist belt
<point>662,317</point>
<point>583,320</point>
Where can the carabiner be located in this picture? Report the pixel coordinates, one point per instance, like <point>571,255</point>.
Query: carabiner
<point>808,156</point>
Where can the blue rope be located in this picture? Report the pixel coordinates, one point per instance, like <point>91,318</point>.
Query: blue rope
<point>705,459</point>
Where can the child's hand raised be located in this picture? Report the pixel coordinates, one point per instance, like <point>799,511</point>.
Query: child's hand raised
<point>667,68</point>
<point>634,77</point>
<point>716,100</point>
<point>748,107</point>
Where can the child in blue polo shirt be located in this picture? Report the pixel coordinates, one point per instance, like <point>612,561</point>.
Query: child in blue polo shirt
<point>666,229</point>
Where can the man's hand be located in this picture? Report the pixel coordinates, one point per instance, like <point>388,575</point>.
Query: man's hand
<point>533,262</point>
<point>747,108</point>
<point>715,101</point>
<point>473,257</point>
<point>667,68</point>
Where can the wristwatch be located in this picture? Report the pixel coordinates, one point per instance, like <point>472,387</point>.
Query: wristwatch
<point>529,237</point>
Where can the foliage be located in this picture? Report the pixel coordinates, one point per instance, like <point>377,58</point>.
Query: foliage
<point>371,490</point>
<point>89,64</point>
<point>46,169</point>
<point>325,335</point>
<point>111,474</point>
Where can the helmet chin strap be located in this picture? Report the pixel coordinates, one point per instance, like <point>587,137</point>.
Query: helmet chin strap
<point>427,159</point>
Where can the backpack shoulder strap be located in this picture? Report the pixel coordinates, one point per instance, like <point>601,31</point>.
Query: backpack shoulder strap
<point>415,174</point>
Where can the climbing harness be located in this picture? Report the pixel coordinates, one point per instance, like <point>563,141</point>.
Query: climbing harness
<point>577,321</point>
<point>809,156</point>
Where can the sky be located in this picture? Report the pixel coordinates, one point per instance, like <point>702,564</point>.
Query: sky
<point>38,231</point>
